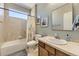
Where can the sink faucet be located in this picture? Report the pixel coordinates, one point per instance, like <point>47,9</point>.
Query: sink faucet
<point>56,35</point>
<point>68,37</point>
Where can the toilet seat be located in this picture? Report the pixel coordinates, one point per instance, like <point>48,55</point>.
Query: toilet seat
<point>32,43</point>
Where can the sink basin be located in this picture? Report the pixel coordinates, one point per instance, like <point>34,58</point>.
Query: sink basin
<point>58,41</point>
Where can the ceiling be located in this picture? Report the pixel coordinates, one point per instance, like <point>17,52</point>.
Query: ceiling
<point>49,7</point>
<point>26,5</point>
<point>30,5</point>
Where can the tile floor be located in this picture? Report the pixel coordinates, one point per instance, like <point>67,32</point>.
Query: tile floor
<point>19,53</point>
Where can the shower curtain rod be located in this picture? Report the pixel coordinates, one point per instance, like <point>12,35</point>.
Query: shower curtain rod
<point>16,11</point>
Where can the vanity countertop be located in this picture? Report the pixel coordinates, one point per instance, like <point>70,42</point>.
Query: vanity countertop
<point>71,48</point>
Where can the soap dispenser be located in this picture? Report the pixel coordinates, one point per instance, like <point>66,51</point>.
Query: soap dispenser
<point>68,37</point>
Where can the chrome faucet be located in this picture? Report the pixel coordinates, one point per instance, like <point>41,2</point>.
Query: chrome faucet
<point>68,37</point>
<point>56,35</point>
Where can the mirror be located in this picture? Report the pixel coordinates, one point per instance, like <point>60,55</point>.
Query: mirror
<point>62,18</point>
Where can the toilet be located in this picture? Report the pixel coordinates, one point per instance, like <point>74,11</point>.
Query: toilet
<point>34,42</point>
<point>32,45</point>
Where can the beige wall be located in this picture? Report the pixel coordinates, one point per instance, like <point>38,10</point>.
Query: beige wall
<point>2,25</point>
<point>1,29</point>
<point>33,11</point>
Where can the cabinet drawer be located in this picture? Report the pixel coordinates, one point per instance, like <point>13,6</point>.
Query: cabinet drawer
<point>50,54</point>
<point>42,52</point>
<point>41,44</point>
<point>59,53</point>
<point>50,49</point>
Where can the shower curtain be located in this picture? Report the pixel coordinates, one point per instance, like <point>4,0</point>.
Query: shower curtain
<point>30,28</point>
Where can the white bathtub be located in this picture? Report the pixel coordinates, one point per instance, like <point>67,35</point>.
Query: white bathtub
<point>10,47</point>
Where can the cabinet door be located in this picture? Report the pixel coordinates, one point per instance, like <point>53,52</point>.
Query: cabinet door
<point>59,53</point>
<point>51,50</point>
<point>42,52</point>
<point>41,44</point>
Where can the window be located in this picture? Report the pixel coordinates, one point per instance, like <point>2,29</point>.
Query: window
<point>2,5</point>
<point>1,12</point>
<point>17,14</point>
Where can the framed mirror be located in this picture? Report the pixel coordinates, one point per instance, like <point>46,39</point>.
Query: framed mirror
<point>62,18</point>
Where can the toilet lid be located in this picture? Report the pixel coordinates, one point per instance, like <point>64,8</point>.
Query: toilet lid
<point>33,42</point>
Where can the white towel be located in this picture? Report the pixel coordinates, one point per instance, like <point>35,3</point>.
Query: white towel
<point>75,22</point>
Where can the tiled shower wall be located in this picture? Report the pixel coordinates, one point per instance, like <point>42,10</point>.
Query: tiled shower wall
<point>11,27</point>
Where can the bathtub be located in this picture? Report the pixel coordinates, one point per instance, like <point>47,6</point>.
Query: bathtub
<point>10,47</point>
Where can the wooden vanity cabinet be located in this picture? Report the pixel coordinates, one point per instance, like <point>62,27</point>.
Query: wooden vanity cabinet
<point>60,53</point>
<point>51,51</point>
<point>46,50</point>
<point>41,49</point>
<point>41,44</point>
<point>42,52</point>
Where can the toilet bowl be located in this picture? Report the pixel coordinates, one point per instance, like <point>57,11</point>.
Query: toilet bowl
<point>33,44</point>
